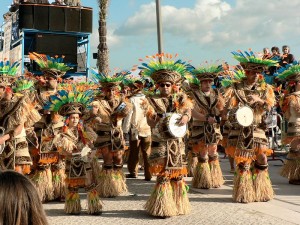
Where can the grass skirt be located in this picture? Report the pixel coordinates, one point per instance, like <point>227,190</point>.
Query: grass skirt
<point>59,185</point>
<point>291,167</point>
<point>216,173</point>
<point>243,189</point>
<point>262,185</point>
<point>111,183</point>
<point>180,190</point>
<point>72,203</point>
<point>192,163</point>
<point>202,176</point>
<point>42,179</point>
<point>161,202</point>
<point>94,202</point>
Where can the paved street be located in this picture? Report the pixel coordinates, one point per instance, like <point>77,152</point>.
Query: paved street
<point>212,206</point>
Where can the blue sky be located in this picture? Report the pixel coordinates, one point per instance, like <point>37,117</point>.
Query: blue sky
<point>198,30</point>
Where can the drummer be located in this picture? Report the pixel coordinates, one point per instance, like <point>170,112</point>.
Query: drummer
<point>169,197</point>
<point>247,143</point>
<point>206,133</point>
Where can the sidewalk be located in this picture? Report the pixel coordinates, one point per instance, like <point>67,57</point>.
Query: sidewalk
<point>209,207</point>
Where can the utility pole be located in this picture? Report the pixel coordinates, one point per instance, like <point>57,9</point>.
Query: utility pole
<point>159,27</point>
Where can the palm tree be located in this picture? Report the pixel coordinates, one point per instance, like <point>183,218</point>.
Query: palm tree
<point>103,52</point>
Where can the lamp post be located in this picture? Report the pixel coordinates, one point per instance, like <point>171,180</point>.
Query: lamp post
<point>159,27</point>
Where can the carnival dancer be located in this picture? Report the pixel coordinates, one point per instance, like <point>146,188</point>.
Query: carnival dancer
<point>140,132</point>
<point>291,108</point>
<point>17,113</point>
<point>73,143</point>
<point>206,132</point>
<point>112,108</point>
<point>247,141</point>
<point>49,176</point>
<point>169,197</point>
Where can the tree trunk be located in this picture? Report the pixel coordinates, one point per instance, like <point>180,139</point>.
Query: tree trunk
<point>103,53</point>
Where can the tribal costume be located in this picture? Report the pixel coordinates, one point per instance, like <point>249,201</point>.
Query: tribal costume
<point>249,145</point>
<point>291,109</point>
<point>72,143</point>
<point>113,107</point>
<point>17,115</point>
<point>169,197</point>
<point>49,174</point>
<point>206,133</point>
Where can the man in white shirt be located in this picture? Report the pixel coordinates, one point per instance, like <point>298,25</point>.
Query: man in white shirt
<point>140,138</point>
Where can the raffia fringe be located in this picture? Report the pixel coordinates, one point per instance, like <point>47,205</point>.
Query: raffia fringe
<point>216,174</point>
<point>202,176</point>
<point>291,168</point>
<point>243,189</point>
<point>72,203</point>
<point>192,163</point>
<point>262,186</point>
<point>120,183</point>
<point>42,180</point>
<point>96,169</point>
<point>106,185</point>
<point>59,184</point>
<point>94,202</point>
<point>161,201</point>
<point>180,196</point>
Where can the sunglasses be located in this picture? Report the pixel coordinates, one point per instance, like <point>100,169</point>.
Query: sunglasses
<point>165,85</point>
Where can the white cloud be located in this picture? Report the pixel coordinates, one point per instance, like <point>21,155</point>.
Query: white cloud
<point>215,23</point>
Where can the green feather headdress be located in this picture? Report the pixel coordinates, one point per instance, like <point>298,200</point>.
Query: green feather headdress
<point>207,71</point>
<point>290,73</point>
<point>51,66</point>
<point>8,72</point>
<point>249,61</point>
<point>109,81</point>
<point>69,102</point>
<point>237,77</point>
<point>22,85</point>
<point>163,67</point>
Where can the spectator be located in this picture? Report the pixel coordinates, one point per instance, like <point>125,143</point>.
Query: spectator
<point>275,56</point>
<point>58,2</point>
<point>287,57</point>
<point>19,201</point>
<point>267,53</point>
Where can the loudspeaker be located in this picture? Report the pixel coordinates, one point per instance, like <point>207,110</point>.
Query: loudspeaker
<point>56,19</point>
<point>26,16</point>
<point>87,20</point>
<point>53,44</point>
<point>72,19</point>
<point>41,17</point>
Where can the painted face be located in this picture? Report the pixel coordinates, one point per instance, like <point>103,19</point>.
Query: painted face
<point>165,88</point>
<point>73,120</point>
<point>206,85</point>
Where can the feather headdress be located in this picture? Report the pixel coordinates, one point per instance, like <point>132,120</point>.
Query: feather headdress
<point>8,72</point>
<point>249,61</point>
<point>289,73</point>
<point>50,66</point>
<point>238,75</point>
<point>22,85</point>
<point>109,81</point>
<point>207,72</point>
<point>163,67</point>
<point>69,102</point>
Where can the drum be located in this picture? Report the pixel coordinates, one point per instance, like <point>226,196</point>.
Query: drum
<point>244,116</point>
<point>168,127</point>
